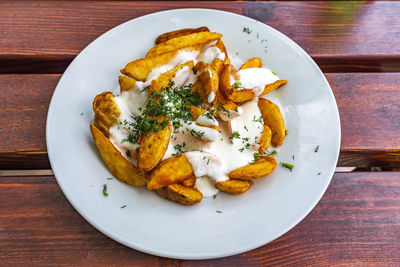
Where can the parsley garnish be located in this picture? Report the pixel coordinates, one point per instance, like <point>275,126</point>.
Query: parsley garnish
<point>273,73</point>
<point>199,134</point>
<point>241,150</point>
<point>287,165</point>
<point>110,178</point>
<point>237,85</point>
<point>178,149</point>
<point>215,196</point>
<point>246,128</point>
<point>218,211</point>
<point>128,153</point>
<point>105,190</point>
<point>260,119</point>
<point>208,115</point>
<point>256,155</point>
<point>235,134</point>
<point>286,132</point>
<point>316,149</point>
<point>124,206</point>
<point>319,173</point>
<point>246,30</point>
<point>194,71</point>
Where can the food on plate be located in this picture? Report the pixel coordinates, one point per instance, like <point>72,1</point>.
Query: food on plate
<point>272,117</point>
<point>116,163</point>
<point>187,123</point>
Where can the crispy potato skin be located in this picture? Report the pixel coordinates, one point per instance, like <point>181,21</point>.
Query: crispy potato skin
<point>170,171</point>
<point>273,119</point>
<point>163,80</point>
<point>196,112</point>
<point>272,86</point>
<point>258,169</point>
<point>234,186</point>
<point>140,69</point>
<point>206,84</point>
<point>178,33</point>
<point>265,140</point>
<point>120,167</point>
<point>106,112</point>
<point>182,194</point>
<point>183,41</point>
<point>189,182</point>
<point>126,83</point>
<point>240,95</point>
<point>218,65</point>
<point>153,146</point>
<point>254,62</point>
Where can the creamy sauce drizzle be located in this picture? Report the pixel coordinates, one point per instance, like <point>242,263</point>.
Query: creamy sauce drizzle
<point>215,153</point>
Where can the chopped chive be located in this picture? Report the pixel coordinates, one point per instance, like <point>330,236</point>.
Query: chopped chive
<point>319,173</point>
<point>287,165</point>
<point>218,211</point>
<point>286,132</point>
<point>105,190</point>
<point>215,196</point>
<point>124,206</point>
<point>110,178</point>
<point>316,149</point>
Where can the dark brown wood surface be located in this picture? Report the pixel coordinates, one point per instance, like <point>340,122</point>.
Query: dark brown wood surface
<point>357,222</point>
<point>356,36</point>
<point>368,105</point>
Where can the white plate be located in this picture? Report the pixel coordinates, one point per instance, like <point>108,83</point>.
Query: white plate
<point>151,224</point>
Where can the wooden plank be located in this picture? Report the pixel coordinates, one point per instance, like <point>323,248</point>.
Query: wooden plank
<point>357,222</point>
<point>368,106</point>
<point>355,35</point>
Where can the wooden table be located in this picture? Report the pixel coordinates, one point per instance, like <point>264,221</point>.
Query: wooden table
<point>356,44</point>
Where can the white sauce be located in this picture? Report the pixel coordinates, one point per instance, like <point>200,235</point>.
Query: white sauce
<point>255,79</point>
<point>203,120</point>
<point>215,154</point>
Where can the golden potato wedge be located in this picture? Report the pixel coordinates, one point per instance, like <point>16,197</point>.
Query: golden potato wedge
<point>182,194</point>
<point>196,112</point>
<point>189,182</point>
<point>273,118</point>
<point>222,48</point>
<point>218,65</point>
<point>126,83</point>
<point>265,140</point>
<point>164,79</point>
<point>209,81</point>
<point>234,186</point>
<point>178,33</point>
<point>119,166</point>
<point>239,95</point>
<point>140,69</point>
<point>170,171</point>
<point>272,86</point>
<point>106,112</point>
<point>260,168</point>
<point>225,79</point>
<point>254,62</point>
<point>183,41</point>
<point>152,147</point>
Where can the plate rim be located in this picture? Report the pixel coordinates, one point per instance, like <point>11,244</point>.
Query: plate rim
<point>191,256</point>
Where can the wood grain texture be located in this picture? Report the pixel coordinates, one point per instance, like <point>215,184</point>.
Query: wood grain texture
<point>368,106</point>
<point>356,36</point>
<point>356,223</point>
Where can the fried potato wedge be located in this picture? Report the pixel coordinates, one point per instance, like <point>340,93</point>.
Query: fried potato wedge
<point>222,48</point>
<point>196,112</point>
<point>119,166</point>
<point>258,169</point>
<point>265,140</point>
<point>272,86</point>
<point>126,83</point>
<point>140,69</point>
<point>254,62</point>
<point>170,171</point>
<point>231,93</point>
<point>183,41</point>
<point>164,79</point>
<point>273,118</point>
<point>152,147</point>
<point>189,182</point>
<point>178,33</point>
<point>182,194</point>
<point>218,65</point>
<point>106,112</point>
<point>234,186</point>
<point>209,81</point>
<point>240,95</point>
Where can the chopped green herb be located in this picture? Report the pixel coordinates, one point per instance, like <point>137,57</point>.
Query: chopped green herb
<point>319,173</point>
<point>316,149</point>
<point>260,119</point>
<point>293,157</point>
<point>237,85</point>
<point>241,150</point>
<point>124,206</point>
<point>105,190</point>
<point>274,152</point>
<point>128,153</point>
<point>256,155</point>
<point>110,178</point>
<point>287,165</point>
<point>258,35</point>
<point>286,132</point>
<point>178,149</point>
<point>81,114</point>
<point>246,128</point>
<point>235,134</point>
<point>208,115</point>
<point>194,71</point>
<point>273,73</point>
<point>218,211</point>
<point>246,30</point>
<point>215,196</point>
<point>208,161</point>
<point>199,134</point>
